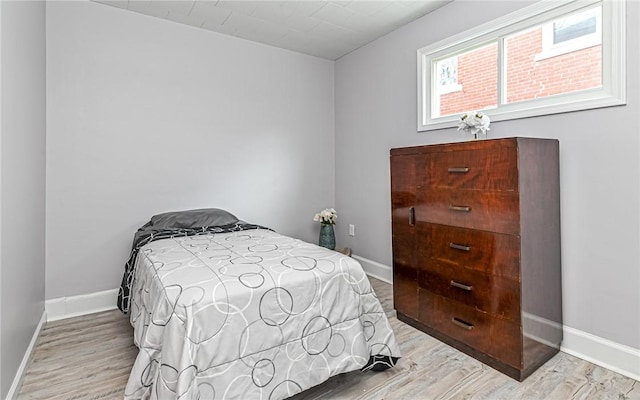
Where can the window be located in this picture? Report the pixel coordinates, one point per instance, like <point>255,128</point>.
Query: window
<point>574,32</point>
<point>578,25</point>
<point>548,58</point>
<point>447,71</point>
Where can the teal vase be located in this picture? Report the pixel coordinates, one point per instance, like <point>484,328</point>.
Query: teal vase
<point>327,237</point>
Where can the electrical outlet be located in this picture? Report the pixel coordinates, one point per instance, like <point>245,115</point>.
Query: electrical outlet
<point>352,230</point>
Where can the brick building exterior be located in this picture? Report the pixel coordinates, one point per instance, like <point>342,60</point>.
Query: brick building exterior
<point>528,77</point>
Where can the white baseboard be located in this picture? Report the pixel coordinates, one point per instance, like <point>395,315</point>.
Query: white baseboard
<point>376,269</point>
<point>541,329</point>
<point>67,307</point>
<point>616,357</point>
<point>17,380</point>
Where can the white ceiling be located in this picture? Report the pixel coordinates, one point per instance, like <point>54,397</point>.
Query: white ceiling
<point>326,29</point>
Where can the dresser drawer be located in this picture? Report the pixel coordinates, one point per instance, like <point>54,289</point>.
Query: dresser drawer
<point>485,169</point>
<point>475,209</point>
<point>499,338</point>
<point>489,293</point>
<point>493,253</point>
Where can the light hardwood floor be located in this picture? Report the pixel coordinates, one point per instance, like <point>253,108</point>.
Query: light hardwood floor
<point>89,357</point>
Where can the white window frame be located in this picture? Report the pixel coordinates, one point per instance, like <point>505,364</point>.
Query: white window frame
<point>612,92</point>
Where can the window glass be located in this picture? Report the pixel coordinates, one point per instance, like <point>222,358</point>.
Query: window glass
<point>476,78</point>
<point>530,76</point>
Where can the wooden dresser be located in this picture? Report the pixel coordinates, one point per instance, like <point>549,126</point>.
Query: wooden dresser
<point>476,248</point>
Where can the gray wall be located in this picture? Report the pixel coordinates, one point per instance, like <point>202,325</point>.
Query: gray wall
<point>146,116</point>
<point>22,180</point>
<point>600,171</point>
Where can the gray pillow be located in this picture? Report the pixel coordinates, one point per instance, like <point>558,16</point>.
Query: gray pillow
<point>193,218</point>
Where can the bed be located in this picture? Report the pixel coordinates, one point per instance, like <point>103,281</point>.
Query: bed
<point>226,309</point>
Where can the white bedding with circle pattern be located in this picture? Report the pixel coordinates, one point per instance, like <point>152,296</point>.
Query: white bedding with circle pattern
<point>250,315</point>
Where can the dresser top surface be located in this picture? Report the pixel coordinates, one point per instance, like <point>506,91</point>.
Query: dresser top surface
<point>468,145</point>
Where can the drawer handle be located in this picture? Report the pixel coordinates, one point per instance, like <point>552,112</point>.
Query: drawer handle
<point>459,208</point>
<point>461,286</point>
<point>462,323</point>
<point>459,247</point>
<point>459,170</point>
<point>412,216</point>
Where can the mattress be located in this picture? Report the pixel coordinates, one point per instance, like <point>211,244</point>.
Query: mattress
<point>249,314</point>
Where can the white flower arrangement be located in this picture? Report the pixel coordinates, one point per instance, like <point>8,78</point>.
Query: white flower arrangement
<point>328,216</point>
<point>474,122</point>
